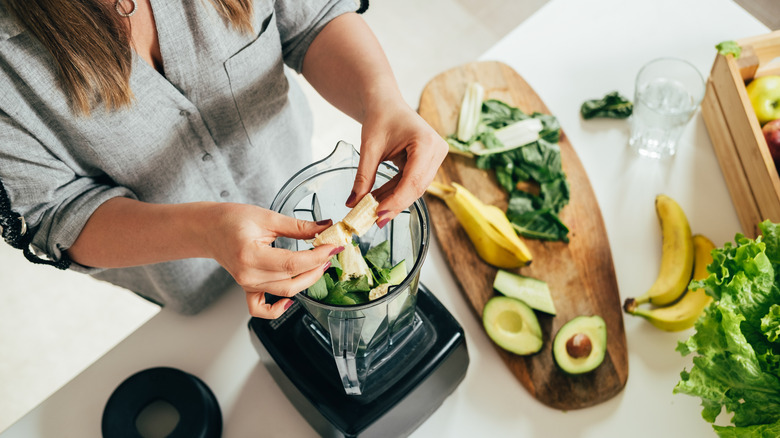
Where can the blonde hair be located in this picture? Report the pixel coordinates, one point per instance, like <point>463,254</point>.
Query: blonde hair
<point>90,44</point>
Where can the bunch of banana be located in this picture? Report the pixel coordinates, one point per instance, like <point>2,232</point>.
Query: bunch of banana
<point>683,314</point>
<point>683,256</point>
<point>486,225</point>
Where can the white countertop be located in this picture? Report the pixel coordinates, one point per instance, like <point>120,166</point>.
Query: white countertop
<point>569,51</point>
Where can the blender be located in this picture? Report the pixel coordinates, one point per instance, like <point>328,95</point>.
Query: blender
<point>373,369</point>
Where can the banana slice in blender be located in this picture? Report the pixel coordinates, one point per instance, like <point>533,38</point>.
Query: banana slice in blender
<point>358,221</point>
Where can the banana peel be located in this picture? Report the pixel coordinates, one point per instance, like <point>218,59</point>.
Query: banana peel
<point>683,314</point>
<point>487,226</point>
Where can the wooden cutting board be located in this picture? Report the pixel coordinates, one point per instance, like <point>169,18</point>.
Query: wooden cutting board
<point>580,273</point>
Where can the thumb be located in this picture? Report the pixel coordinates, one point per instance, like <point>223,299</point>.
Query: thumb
<point>366,174</point>
<point>298,228</point>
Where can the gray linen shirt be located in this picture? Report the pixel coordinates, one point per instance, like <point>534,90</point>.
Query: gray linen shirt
<point>225,123</point>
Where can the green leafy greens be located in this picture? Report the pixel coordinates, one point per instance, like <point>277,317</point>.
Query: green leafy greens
<point>613,106</point>
<point>737,353</point>
<point>533,215</point>
<point>332,289</point>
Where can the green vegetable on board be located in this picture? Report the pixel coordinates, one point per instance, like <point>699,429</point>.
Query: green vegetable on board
<point>736,363</point>
<point>532,156</point>
<point>729,48</point>
<point>613,106</point>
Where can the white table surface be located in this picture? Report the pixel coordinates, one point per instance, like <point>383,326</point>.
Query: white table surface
<point>569,51</point>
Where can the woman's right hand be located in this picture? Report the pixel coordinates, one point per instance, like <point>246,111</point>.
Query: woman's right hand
<point>241,244</point>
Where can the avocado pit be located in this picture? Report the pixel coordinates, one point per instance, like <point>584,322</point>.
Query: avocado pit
<point>579,346</point>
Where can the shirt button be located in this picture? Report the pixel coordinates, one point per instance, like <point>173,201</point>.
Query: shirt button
<point>184,113</point>
<point>224,194</point>
<point>206,157</point>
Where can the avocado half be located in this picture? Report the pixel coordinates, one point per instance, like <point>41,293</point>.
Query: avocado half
<point>512,325</point>
<point>580,345</point>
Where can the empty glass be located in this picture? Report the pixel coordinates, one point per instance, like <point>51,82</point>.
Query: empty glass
<point>361,334</point>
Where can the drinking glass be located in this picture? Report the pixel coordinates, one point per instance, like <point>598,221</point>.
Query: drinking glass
<point>667,93</point>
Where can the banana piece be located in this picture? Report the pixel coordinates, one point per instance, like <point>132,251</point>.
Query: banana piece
<point>358,221</point>
<point>361,218</point>
<point>683,314</point>
<point>337,234</point>
<point>676,256</point>
<point>378,292</point>
<point>486,225</point>
<point>353,265</point>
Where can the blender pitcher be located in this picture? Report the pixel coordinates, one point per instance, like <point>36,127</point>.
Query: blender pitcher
<point>362,336</point>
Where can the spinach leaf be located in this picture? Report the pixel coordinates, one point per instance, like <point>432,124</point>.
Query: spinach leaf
<point>533,222</point>
<point>319,289</point>
<point>379,255</point>
<point>335,265</point>
<point>613,106</point>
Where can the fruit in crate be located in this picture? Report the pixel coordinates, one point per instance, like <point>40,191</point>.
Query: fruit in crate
<point>772,136</point>
<point>764,94</point>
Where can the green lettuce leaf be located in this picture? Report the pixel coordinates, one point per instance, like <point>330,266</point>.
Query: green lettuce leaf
<point>735,360</point>
<point>756,431</point>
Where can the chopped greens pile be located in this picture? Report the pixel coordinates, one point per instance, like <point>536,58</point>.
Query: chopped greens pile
<point>348,281</point>
<point>737,340</point>
<point>531,173</point>
<point>613,106</point>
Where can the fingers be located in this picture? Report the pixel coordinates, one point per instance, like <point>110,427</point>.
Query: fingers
<point>284,288</point>
<point>255,301</point>
<point>274,264</point>
<point>406,187</point>
<point>366,174</point>
<point>295,228</point>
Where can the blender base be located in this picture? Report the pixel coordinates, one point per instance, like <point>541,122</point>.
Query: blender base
<point>307,374</point>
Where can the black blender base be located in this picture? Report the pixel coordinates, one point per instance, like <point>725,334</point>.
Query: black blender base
<point>307,374</point>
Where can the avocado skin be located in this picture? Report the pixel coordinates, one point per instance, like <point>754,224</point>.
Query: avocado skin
<point>596,329</point>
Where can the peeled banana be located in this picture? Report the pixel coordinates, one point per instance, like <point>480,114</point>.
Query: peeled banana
<point>683,314</point>
<point>676,256</point>
<point>486,225</point>
<point>359,220</point>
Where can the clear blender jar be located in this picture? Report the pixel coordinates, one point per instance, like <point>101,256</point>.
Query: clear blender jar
<point>361,337</point>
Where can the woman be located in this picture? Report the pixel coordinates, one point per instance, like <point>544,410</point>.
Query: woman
<point>141,141</point>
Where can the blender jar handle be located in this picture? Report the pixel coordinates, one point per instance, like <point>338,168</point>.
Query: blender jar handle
<point>345,335</point>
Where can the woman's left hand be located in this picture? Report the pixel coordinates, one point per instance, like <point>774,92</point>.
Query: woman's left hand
<point>394,132</point>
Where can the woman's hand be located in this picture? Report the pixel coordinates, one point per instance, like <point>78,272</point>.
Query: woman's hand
<point>243,248</point>
<point>347,66</point>
<point>394,132</point>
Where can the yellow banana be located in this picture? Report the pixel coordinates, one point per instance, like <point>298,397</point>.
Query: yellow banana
<point>676,255</point>
<point>486,225</point>
<point>683,314</point>
<point>358,221</point>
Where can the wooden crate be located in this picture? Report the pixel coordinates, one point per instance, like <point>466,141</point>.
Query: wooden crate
<point>739,144</point>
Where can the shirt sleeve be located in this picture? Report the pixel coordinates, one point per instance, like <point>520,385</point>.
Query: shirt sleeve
<point>54,201</point>
<point>300,22</point>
